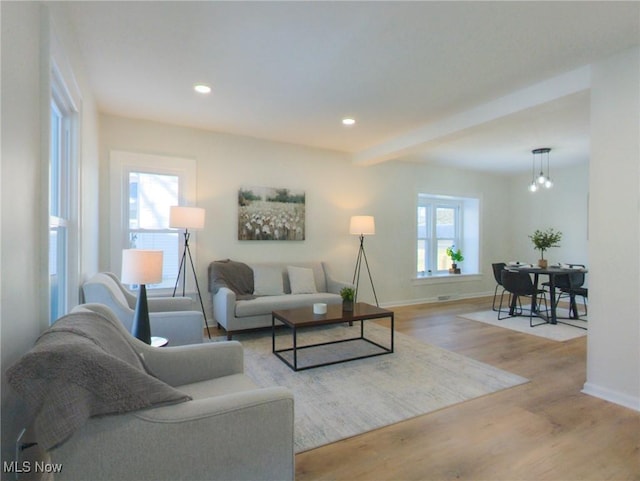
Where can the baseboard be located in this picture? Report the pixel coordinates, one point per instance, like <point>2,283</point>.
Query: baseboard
<point>610,395</point>
<point>432,300</point>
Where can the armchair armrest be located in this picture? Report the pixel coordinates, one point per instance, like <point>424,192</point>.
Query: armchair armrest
<point>169,304</point>
<point>245,435</point>
<point>179,327</point>
<point>224,306</point>
<point>334,286</point>
<point>197,362</point>
<point>217,405</point>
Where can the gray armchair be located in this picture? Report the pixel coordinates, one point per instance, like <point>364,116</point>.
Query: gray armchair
<point>170,317</point>
<point>230,430</point>
<point>156,304</point>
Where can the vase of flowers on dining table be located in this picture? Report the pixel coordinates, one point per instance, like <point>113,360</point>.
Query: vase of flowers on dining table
<point>544,240</point>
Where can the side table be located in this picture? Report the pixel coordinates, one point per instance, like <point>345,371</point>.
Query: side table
<point>159,341</point>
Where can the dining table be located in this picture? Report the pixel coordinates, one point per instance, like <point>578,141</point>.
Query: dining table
<point>552,272</point>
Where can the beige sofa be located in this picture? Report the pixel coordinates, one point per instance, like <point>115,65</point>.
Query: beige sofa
<point>244,295</point>
<point>115,408</point>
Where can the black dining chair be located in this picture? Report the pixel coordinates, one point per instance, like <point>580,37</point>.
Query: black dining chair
<point>519,284</point>
<point>572,286</point>
<point>497,275</point>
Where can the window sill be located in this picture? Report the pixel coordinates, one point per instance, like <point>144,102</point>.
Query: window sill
<point>447,278</point>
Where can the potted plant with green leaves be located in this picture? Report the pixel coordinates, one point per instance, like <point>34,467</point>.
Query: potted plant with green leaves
<point>543,240</point>
<point>347,294</point>
<point>456,256</point>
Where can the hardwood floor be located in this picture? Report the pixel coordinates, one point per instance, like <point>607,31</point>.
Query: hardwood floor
<point>543,430</point>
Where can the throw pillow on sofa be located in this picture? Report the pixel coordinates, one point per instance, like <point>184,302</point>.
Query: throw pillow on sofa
<point>267,281</point>
<point>301,280</point>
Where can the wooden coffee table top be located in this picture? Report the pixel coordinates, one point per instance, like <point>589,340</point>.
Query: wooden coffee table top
<point>304,316</point>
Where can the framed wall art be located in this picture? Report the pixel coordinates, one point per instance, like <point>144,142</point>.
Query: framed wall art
<point>269,213</point>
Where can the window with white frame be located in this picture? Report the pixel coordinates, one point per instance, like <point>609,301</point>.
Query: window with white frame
<point>63,213</point>
<point>150,197</point>
<point>442,222</point>
<point>146,186</point>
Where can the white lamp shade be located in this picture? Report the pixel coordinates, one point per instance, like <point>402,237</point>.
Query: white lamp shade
<point>141,266</point>
<point>362,225</point>
<point>186,217</point>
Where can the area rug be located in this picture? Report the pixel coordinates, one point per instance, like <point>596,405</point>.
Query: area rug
<point>342,400</point>
<point>555,332</point>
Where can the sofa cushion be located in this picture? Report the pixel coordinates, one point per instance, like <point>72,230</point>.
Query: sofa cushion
<point>301,280</point>
<point>318,274</point>
<point>266,304</point>
<point>267,281</point>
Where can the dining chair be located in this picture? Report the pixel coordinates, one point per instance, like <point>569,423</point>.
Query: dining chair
<point>571,286</point>
<point>519,284</point>
<point>497,275</point>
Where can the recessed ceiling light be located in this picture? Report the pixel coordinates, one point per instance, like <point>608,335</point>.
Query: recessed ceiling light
<point>348,121</point>
<point>202,88</point>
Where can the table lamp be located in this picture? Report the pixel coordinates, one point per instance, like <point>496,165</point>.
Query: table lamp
<point>141,267</point>
<point>362,225</point>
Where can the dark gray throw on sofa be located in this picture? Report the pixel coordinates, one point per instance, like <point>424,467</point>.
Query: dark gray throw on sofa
<point>234,275</point>
<point>82,366</point>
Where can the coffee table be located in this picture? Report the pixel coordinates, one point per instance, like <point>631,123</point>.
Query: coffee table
<point>303,317</point>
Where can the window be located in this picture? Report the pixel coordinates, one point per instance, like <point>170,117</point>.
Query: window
<point>63,232</point>
<point>150,197</point>
<point>442,222</point>
<point>144,187</point>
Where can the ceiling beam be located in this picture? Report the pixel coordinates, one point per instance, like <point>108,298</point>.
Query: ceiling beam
<point>540,93</point>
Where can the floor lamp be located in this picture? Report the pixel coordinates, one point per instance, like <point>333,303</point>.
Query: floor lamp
<point>362,225</point>
<point>141,267</point>
<point>187,218</point>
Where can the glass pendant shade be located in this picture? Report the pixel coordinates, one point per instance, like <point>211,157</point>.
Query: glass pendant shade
<point>541,179</point>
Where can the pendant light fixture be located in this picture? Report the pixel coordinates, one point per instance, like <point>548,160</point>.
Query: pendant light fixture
<point>541,180</point>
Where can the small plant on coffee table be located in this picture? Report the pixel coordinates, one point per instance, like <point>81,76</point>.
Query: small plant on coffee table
<point>347,294</point>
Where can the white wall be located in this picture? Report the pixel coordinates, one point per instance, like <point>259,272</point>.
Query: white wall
<point>21,172</point>
<point>563,207</point>
<point>335,190</point>
<point>613,363</point>
<point>26,30</point>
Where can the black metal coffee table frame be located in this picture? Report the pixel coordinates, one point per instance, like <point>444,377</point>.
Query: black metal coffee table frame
<point>304,317</point>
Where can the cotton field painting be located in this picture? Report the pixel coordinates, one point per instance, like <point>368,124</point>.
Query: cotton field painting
<point>266,213</point>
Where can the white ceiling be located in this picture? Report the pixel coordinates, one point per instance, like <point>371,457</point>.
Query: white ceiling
<point>426,81</point>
